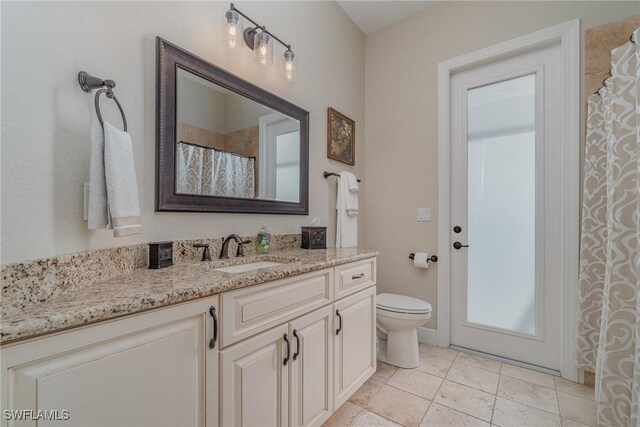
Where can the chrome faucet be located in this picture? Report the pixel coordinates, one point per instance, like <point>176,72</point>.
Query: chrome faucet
<point>224,251</point>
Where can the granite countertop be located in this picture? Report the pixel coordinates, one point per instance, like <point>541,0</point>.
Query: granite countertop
<point>144,289</point>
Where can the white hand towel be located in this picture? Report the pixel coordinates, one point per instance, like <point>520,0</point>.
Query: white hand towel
<point>122,188</point>
<point>347,225</point>
<point>98,215</point>
<point>353,183</point>
<point>350,197</point>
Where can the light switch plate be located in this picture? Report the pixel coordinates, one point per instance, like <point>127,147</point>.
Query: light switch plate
<point>424,214</point>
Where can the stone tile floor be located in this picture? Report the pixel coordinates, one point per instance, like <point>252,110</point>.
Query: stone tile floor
<point>456,389</point>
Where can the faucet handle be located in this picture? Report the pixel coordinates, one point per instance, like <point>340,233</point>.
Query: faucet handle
<point>240,250</point>
<point>206,254</point>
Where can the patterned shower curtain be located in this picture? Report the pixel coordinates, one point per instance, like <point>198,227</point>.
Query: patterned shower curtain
<point>202,170</point>
<point>608,330</point>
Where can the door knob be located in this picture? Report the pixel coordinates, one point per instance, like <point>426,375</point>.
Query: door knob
<point>458,245</point>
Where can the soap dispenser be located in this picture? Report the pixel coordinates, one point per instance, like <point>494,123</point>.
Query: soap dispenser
<point>263,242</point>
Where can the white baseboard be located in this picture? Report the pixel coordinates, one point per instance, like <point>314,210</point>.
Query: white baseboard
<point>428,336</point>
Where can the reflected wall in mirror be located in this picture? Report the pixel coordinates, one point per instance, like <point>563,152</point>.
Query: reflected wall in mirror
<point>225,145</point>
<point>232,146</point>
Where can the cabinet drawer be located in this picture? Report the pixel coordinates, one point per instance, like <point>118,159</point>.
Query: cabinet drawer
<point>247,311</point>
<point>353,277</point>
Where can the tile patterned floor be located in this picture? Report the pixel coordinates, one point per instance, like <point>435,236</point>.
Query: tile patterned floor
<point>456,389</point>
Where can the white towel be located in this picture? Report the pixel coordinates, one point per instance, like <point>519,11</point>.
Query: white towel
<point>98,215</point>
<point>122,188</point>
<point>347,213</point>
<point>353,183</point>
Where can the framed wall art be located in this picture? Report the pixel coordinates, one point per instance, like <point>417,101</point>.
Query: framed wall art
<point>341,137</point>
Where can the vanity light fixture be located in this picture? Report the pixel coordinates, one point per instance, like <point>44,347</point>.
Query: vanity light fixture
<point>289,65</point>
<point>263,49</point>
<point>258,39</point>
<point>232,30</point>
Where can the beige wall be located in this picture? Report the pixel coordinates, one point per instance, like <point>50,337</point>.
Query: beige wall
<point>401,118</point>
<point>46,117</point>
<point>200,105</point>
<point>598,43</point>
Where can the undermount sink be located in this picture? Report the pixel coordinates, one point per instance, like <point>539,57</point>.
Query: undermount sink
<point>243,268</point>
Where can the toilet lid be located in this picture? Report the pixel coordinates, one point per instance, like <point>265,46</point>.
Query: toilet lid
<point>402,304</point>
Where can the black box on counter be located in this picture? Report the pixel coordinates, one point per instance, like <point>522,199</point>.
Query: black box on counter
<point>160,254</point>
<point>314,237</point>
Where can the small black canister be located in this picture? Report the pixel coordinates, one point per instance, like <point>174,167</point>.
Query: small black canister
<point>314,237</point>
<point>160,254</point>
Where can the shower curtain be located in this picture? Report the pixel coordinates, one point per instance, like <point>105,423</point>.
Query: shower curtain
<point>608,329</point>
<point>202,170</point>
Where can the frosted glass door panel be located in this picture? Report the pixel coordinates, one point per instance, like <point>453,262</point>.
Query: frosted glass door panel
<point>287,166</point>
<point>501,205</point>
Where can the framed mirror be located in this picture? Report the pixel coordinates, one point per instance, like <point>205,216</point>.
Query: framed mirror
<point>224,144</point>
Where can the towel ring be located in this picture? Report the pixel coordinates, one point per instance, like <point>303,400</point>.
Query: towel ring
<point>109,93</point>
<point>88,82</point>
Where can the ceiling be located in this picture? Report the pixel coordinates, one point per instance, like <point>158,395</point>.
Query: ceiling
<point>371,16</point>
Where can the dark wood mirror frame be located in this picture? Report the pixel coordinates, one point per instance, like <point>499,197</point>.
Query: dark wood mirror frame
<point>171,57</point>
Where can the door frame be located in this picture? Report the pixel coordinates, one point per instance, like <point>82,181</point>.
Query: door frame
<point>568,36</point>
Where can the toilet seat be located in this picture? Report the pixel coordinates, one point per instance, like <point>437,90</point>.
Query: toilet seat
<point>401,304</point>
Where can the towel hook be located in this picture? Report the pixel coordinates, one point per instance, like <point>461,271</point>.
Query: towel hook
<point>88,83</point>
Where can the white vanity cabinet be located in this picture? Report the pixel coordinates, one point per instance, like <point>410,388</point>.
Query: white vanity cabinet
<point>254,387</point>
<point>297,373</point>
<point>355,346</point>
<point>287,353</point>
<point>282,377</point>
<point>319,351</point>
<point>311,368</point>
<point>150,369</point>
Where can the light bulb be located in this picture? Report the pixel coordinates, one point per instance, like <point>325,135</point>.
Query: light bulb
<point>289,65</point>
<point>263,48</point>
<point>232,30</point>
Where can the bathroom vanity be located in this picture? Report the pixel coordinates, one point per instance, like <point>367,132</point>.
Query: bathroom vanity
<point>192,345</point>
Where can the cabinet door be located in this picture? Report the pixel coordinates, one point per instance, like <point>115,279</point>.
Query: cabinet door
<point>354,338</point>
<point>311,396</point>
<point>254,386</point>
<point>147,370</point>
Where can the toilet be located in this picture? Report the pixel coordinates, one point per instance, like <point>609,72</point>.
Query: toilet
<point>398,319</point>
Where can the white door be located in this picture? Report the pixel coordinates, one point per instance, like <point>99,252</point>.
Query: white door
<point>279,157</point>
<point>506,205</point>
<point>146,370</point>
<point>254,380</point>
<point>311,369</point>
<point>354,337</point>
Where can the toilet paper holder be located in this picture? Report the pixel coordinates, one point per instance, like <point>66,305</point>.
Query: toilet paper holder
<point>432,258</point>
